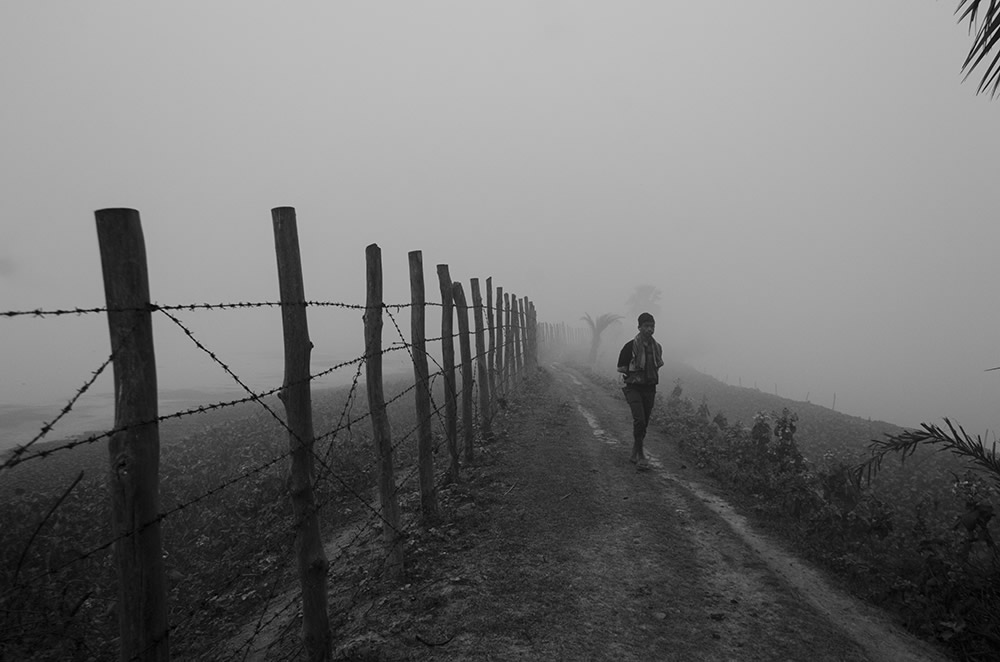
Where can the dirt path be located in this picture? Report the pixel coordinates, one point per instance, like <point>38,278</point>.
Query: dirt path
<point>762,565</point>
<point>556,548</point>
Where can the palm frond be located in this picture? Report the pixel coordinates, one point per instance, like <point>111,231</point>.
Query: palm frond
<point>955,439</point>
<point>984,22</point>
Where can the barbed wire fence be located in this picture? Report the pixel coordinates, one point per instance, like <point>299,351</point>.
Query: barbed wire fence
<point>83,577</point>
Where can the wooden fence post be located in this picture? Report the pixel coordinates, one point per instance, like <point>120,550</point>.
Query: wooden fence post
<point>533,334</point>
<point>515,317</point>
<point>501,355</point>
<point>418,338</point>
<point>381,432</point>
<point>296,395</point>
<point>448,357</point>
<point>526,335</point>
<point>134,451</point>
<point>523,318</point>
<point>508,359</point>
<point>462,308</point>
<point>491,351</point>
<point>481,372</point>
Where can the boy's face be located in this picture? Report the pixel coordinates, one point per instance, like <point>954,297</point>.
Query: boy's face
<point>647,328</point>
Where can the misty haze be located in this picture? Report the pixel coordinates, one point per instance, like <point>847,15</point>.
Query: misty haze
<point>797,193</point>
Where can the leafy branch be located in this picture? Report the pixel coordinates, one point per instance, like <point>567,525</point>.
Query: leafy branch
<point>955,439</point>
<point>987,33</point>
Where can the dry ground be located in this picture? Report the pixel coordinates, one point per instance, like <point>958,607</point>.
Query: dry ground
<point>554,547</point>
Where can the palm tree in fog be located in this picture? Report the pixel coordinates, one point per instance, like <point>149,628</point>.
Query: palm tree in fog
<point>644,299</point>
<point>597,327</point>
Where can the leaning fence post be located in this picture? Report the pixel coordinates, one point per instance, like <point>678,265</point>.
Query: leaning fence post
<point>481,373</point>
<point>462,308</point>
<point>296,395</point>
<point>134,449</point>
<point>515,320</point>
<point>381,432</point>
<point>425,449</point>
<point>448,357</point>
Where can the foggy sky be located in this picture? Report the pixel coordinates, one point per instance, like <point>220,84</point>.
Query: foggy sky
<point>807,183</point>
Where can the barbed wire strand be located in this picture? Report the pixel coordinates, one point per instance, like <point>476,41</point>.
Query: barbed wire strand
<point>274,415</point>
<point>16,457</point>
<point>256,397</point>
<point>15,460</point>
<point>262,624</point>
<point>21,449</point>
<point>59,312</point>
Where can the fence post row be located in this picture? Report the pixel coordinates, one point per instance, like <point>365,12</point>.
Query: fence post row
<point>481,373</point>
<point>134,449</point>
<point>462,309</point>
<point>296,395</point>
<point>425,449</point>
<point>134,477</point>
<point>381,433</point>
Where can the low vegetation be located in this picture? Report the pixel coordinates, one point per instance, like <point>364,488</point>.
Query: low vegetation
<point>226,534</point>
<point>916,539</point>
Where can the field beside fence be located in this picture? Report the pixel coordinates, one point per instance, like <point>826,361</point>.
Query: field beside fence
<point>159,533</point>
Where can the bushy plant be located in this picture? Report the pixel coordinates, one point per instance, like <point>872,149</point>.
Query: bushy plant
<point>909,541</point>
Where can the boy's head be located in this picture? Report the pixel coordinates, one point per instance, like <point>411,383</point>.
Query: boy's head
<point>646,324</point>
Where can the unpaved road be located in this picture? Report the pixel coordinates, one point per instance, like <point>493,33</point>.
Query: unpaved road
<point>554,547</point>
<point>756,575</point>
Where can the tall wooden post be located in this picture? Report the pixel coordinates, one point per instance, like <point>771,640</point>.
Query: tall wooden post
<point>462,308</point>
<point>134,479</point>
<point>448,357</point>
<point>296,395</point>
<point>515,321</point>
<point>491,351</point>
<point>381,432</point>
<point>508,359</point>
<point>525,337</point>
<point>425,442</point>
<point>481,372</point>
<point>533,334</point>
<point>501,338</point>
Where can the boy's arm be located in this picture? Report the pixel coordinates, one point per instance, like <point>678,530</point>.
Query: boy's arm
<point>624,358</point>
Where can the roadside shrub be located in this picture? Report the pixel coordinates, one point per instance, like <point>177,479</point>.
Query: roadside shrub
<point>917,544</point>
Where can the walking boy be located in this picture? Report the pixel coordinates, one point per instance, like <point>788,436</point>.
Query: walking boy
<point>639,362</point>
